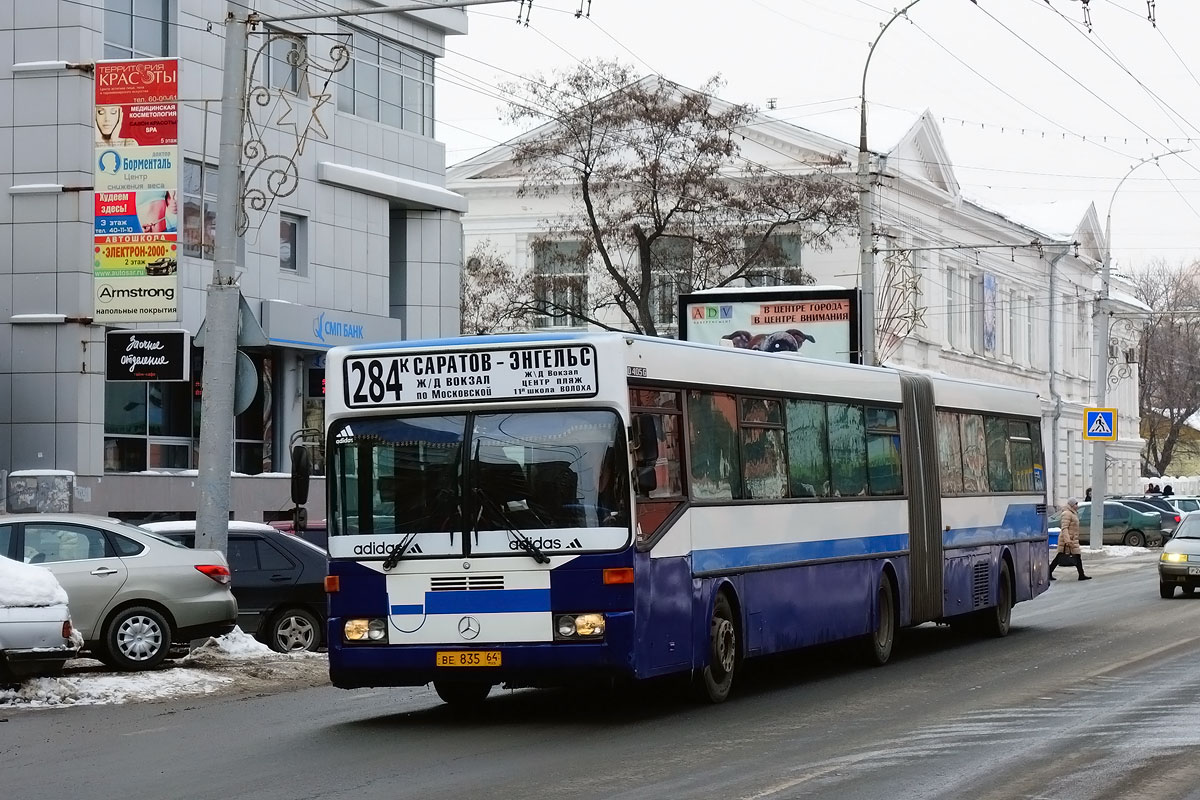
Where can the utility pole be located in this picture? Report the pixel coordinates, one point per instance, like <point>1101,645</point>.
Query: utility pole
<point>1100,321</point>
<point>866,213</point>
<point>223,302</point>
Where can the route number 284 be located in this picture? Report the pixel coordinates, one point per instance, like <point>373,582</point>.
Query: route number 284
<point>371,380</point>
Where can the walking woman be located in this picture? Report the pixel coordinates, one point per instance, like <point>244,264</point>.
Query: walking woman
<point>1069,550</point>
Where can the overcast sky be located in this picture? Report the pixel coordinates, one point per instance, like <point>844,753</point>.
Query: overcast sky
<point>1040,116</point>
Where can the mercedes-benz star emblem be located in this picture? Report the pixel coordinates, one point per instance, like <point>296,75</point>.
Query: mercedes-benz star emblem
<point>468,627</point>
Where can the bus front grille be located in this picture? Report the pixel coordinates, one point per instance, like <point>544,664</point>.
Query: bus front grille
<point>459,583</point>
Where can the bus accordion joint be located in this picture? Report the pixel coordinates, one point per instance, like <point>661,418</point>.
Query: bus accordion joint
<point>618,575</point>
<point>333,583</point>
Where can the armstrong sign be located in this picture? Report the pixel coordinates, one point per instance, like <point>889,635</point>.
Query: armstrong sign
<point>309,328</point>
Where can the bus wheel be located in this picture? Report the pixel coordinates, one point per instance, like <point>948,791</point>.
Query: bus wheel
<point>996,620</point>
<point>462,695</point>
<point>717,677</point>
<point>879,643</point>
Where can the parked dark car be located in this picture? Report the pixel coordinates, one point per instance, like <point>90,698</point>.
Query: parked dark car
<point>1168,520</point>
<point>278,580</point>
<point>315,531</point>
<point>1122,524</point>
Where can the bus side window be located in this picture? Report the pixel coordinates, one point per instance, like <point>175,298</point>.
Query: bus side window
<point>645,453</point>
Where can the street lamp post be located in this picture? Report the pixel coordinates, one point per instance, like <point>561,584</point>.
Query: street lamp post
<point>1100,366</point>
<point>866,211</point>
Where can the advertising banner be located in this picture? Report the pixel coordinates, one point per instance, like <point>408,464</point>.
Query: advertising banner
<point>136,178</point>
<point>148,356</point>
<point>817,322</point>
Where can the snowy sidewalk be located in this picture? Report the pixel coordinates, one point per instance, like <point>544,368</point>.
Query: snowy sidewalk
<point>229,664</point>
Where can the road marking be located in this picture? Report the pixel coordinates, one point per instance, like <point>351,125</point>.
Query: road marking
<point>150,730</point>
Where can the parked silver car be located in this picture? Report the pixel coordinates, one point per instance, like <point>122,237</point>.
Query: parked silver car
<point>36,637</point>
<point>132,593</point>
<point>1179,564</point>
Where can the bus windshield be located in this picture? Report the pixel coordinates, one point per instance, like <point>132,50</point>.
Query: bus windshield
<point>481,472</point>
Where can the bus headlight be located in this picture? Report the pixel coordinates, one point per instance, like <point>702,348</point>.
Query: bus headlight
<point>579,626</point>
<point>365,630</point>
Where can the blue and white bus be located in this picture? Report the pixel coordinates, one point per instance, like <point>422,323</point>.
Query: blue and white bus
<point>536,510</point>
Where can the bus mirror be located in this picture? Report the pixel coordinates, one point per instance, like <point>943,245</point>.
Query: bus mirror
<point>301,470</point>
<point>647,480</point>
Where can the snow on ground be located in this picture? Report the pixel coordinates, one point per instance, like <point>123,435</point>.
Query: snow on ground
<point>1118,551</point>
<point>229,664</point>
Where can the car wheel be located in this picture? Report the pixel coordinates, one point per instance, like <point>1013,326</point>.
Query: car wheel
<point>1134,539</point>
<point>460,694</point>
<point>716,679</point>
<point>879,642</point>
<point>997,620</point>
<point>293,630</point>
<point>136,638</point>
<point>1166,590</point>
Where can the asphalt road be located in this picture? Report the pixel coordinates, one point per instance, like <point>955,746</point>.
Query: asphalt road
<point>1095,694</point>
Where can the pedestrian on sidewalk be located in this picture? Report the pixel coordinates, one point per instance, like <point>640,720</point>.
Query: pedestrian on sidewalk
<point>1087,498</point>
<point>1069,551</point>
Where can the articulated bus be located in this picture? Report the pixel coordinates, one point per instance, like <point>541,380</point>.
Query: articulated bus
<point>538,510</point>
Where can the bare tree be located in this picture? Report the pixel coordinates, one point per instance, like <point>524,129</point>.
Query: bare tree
<point>491,296</point>
<point>663,202</point>
<point>1169,360</point>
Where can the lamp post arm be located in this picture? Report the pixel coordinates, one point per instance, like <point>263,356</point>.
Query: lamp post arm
<point>866,214</point>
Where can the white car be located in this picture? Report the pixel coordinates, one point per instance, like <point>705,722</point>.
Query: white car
<point>36,637</point>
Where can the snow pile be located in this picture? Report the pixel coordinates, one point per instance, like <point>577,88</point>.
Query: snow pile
<point>235,662</point>
<point>109,689</point>
<point>235,644</point>
<point>1118,550</point>
<point>28,585</point>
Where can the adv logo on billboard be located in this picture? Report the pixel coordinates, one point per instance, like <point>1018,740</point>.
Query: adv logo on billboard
<point>712,313</point>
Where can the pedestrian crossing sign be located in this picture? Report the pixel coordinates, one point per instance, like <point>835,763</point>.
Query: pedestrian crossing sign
<point>1100,424</point>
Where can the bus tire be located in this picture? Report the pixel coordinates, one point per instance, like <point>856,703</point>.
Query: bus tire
<point>997,620</point>
<point>881,640</point>
<point>461,694</point>
<point>716,679</point>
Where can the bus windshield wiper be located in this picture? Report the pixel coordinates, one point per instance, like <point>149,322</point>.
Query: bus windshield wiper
<point>523,541</point>
<point>397,552</point>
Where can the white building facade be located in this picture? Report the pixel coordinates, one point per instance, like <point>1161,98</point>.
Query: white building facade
<point>366,248</point>
<point>985,297</point>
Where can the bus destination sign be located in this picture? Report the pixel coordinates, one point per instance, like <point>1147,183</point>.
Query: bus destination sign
<point>402,379</point>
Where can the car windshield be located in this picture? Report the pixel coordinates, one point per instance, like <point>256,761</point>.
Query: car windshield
<point>479,472</point>
<point>1189,528</point>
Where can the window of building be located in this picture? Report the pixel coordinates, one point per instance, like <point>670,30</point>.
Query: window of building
<point>199,209</point>
<point>139,28</point>
<point>386,82</point>
<point>560,282</point>
<point>671,268</point>
<point>291,244</point>
<point>977,314</point>
<point>779,262</point>
<point>156,425</point>
<point>1030,342</point>
<point>283,64</point>
<point>1010,324</point>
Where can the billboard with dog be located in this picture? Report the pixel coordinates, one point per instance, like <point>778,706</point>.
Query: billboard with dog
<point>813,321</point>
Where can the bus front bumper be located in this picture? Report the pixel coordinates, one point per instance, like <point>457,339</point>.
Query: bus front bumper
<point>535,664</point>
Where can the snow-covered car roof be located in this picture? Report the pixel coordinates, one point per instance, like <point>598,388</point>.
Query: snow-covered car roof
<point>23,585</point>
<point>189,526</point>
